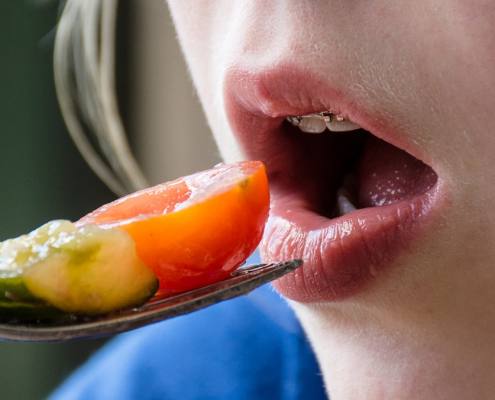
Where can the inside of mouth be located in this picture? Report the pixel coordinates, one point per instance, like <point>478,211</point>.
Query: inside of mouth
<point>366,170</point>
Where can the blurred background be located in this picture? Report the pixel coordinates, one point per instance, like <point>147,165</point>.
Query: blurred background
<point>42,175</point>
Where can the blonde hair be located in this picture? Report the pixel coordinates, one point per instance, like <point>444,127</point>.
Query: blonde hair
<point>84,62</point>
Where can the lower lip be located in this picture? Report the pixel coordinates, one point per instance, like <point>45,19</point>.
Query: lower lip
<point>343,255</point>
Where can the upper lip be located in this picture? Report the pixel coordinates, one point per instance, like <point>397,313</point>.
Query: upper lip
<point>257,102</point>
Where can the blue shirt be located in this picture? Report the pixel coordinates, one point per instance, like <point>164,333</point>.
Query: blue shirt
<point>251,347</point>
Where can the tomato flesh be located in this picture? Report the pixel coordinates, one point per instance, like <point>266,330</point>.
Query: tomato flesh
<point>197,229</point>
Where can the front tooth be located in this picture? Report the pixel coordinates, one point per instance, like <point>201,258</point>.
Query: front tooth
<point>312,124</point>
<point>340,124</point>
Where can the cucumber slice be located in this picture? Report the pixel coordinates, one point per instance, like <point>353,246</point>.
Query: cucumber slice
<point>86,270</point>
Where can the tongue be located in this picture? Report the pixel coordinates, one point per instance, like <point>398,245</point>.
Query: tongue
<point>387,175</point>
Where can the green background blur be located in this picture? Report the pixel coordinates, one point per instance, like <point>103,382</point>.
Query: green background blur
<point>42,176</point>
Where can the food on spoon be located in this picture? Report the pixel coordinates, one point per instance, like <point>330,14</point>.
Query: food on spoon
<point>86,270</point>
<point>190,232</point>
<point>197,229</point>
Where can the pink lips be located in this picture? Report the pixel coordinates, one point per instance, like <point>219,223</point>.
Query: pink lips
<point>341,255</point>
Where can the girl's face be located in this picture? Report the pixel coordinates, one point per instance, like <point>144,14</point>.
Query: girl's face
<point>419,76</point>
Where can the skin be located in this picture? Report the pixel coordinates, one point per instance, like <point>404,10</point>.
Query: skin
<point>425,329</point>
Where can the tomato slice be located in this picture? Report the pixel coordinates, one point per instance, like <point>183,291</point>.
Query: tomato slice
<point>197,229</point>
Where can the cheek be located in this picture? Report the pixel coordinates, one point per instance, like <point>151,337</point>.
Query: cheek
<point>461,66</point>
<point>193,24</point>
<point>201,27</point>
<point>438,72</point>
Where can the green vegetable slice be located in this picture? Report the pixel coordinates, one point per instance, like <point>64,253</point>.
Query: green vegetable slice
<point>88,270</point>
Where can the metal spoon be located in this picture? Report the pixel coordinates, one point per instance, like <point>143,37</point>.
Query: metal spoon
<point>241,282</point>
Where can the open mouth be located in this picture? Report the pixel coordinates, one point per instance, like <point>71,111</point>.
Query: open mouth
<point>344,199</point>
<point>342,168</point>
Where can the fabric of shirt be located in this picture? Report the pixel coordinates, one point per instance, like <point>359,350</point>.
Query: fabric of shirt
<point>251,347</point>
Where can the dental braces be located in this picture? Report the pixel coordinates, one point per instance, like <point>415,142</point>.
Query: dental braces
<point>326,116</point>
<point>319,122</point>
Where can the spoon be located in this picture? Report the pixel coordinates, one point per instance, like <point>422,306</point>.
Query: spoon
<point>241,282</point>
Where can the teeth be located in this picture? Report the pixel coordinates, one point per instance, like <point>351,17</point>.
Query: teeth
<point>344,205</point>
<point>345,200</point>
<point>340,124</point>
<point>317,123</point>
<point>309,123</point>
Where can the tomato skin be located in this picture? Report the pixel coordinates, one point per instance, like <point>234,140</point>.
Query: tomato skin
<point>203,242</point>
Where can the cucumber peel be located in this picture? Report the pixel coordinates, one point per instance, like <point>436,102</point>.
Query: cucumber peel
<point>87,270</point>
<point>31,312</point>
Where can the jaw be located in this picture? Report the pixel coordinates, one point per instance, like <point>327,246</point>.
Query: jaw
<point>423,330</point>
<point>369,361</point>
